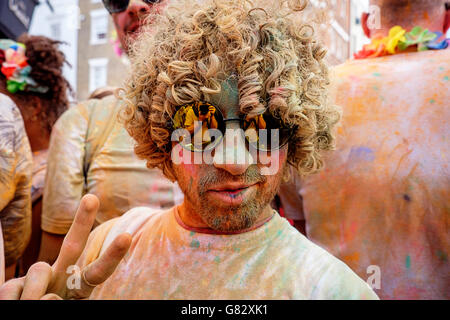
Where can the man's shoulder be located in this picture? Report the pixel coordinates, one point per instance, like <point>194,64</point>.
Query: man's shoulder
<point>402,63</point>
<point>10,112</point>
<point>87,109</point>
<point>329,277</point>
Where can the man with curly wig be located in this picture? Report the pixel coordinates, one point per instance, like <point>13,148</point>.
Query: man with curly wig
<point>249,67</point>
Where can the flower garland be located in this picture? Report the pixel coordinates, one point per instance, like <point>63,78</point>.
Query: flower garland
<point>15,67</point>
<point>399,40</point>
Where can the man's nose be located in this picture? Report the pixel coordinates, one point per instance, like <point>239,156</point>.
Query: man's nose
<point>138,8</point>
<point>231,154</point>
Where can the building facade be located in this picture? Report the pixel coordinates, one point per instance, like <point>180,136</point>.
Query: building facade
<point>98,64</point>
<point>59,20</point>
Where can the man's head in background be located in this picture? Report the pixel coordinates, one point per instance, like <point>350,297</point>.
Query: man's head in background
<point>129,16</point>
<point>243,60</point>
<point>431,14</point>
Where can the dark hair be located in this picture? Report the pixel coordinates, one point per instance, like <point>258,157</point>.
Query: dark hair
<point>46,61</point>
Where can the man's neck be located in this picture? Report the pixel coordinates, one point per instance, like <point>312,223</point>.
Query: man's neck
<point>191,219</point>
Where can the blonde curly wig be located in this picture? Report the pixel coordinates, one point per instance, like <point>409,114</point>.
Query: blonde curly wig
<point>182,55</point>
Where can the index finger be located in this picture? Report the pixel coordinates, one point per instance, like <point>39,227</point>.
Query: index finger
<point>75,240</point>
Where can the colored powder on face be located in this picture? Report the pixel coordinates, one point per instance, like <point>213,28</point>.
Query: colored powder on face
<point>217,259</point>
<point>195,243</point>
<point>376,74</point>
<point>432,101</point>
<point>408,262</point>
<point>446,78</point>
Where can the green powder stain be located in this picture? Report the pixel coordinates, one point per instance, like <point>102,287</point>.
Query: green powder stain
<point>432,101</point>
<point>376,88</point>
<point>408,262</point>
<point>192,233</point>
<point>376,74</point>
<point>209,248</point>
<point>446,78</point>
<point>442,256</point>
<point>217,259</point>
<point>441,68</point>
<point>236,249</point>
<point>195,243</point>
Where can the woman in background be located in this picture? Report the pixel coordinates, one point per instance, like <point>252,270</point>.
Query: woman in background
<point>32,76</point>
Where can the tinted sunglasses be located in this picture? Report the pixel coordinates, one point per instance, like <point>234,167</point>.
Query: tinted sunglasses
<point>116,6</point>
<point>200,120</point>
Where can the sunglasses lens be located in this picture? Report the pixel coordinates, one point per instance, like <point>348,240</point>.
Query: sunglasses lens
<point>152,1</point>
<point>115,6</point>
<point>198,121</point>
<point>264,132</point>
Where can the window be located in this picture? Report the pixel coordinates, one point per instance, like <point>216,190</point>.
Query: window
<point>98,73</point>
<point>99,26</point>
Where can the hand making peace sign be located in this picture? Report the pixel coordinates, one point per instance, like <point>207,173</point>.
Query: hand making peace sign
<point>46,282</point>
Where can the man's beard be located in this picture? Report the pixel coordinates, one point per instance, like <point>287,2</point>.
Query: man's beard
<point>231,218</point>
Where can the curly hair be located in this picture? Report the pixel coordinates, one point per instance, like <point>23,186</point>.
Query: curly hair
<point>279,64</point>
<point>46,62</point>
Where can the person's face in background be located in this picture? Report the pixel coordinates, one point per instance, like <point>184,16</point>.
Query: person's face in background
<point>129,22</point>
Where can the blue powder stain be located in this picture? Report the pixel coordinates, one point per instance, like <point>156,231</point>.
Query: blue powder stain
<point>446,78</point>
<point>361,154</point>
<point>195,243</point>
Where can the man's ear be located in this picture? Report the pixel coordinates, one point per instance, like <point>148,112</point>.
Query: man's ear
<point>364,18</point>
<point>447,17</point>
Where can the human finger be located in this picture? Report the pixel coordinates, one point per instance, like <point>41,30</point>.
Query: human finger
<point>12,289</point>
<point>51,296</point>
<point>36,281</point>
<point>101,269</point>
<point>75,240</point>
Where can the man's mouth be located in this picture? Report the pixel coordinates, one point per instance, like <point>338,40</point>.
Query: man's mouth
<point>232,193</point>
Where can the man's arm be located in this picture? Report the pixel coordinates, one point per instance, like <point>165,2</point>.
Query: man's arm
<point>64,184</point>
<point>50,245</point>
<point>15,185</point>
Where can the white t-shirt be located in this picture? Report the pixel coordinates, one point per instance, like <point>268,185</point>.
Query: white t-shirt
<point>168,261</point>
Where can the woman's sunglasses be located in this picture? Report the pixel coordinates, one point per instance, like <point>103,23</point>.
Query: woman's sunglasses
<point>200,121</point>
<point>116,6</point>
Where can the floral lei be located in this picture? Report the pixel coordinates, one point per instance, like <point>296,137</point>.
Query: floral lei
<point>399,40</point>
<point>16,69</point>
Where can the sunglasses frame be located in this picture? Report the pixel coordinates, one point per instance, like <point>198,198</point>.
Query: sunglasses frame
<point>241,120</point>
<point>111,11</point>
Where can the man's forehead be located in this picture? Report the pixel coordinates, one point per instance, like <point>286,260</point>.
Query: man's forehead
<point>227,100</point>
